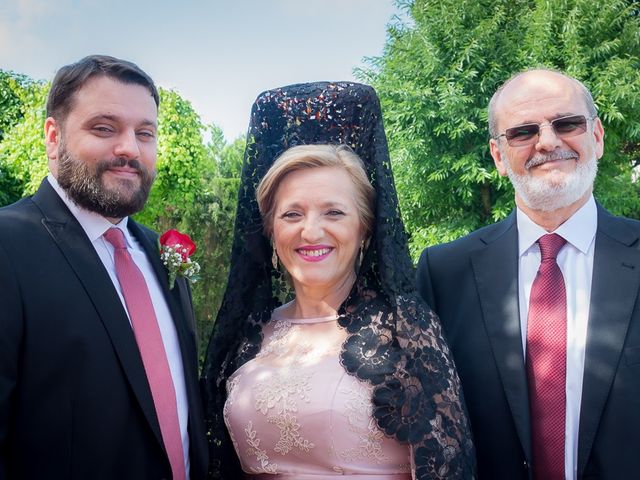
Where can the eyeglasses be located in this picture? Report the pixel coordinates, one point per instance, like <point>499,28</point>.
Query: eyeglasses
<point>564,127</point>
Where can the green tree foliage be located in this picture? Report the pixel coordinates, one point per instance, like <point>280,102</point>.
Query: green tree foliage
<point>12,90</point>
<point>183,165</point>
<point>440,66</point>
<point>23,162</point>
<point>210,219</point>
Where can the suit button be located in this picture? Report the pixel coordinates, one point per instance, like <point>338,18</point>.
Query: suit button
<point>526,465</point>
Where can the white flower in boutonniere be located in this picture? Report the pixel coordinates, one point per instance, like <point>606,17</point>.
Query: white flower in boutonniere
<point>175,251</point>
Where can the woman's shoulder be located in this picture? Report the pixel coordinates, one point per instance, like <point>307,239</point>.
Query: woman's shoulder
<point>283,312</point>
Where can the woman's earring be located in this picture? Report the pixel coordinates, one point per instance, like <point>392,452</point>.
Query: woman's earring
<point>274,259</point>
<point>361,254</point>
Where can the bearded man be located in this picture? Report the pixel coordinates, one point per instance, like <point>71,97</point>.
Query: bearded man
<point>98,361</point>
<point>542,310</point>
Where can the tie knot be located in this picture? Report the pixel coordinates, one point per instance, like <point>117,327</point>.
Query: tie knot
<point>550,245</point>
<point>116,238</point>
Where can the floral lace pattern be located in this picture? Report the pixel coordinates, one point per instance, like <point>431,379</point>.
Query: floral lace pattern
<point>232,385</point>
<point>277,344</point>
<point>281,394</point>
<point>359,412</point>
<point>289,434</point>
<point>254,449</point>
<point>300,408</point>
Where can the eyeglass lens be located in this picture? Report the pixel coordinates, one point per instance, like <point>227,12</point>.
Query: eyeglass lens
<point>563,127</point>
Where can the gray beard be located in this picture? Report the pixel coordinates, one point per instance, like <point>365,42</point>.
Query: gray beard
<point>83,183</point>
<point>547,195</point>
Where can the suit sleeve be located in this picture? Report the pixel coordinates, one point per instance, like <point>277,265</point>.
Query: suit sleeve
<point>11,316</point>
<point>423,280</point>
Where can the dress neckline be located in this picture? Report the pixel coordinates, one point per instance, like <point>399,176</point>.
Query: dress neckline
<point>277,315</point>
<point>330,318</point>
<point>296,321</point>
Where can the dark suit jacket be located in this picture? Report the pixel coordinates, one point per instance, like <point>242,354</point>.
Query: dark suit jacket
<point>74,398</point>
<point>472,283</point>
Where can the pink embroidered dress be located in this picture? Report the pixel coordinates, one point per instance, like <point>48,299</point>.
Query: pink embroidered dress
<point>294,413</point>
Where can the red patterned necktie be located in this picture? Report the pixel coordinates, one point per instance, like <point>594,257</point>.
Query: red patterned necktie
<point>147,334</point>
<point>547,362</point>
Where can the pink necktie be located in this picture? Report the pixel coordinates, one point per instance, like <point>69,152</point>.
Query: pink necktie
<point>547,362</point>
<point>147,334</point>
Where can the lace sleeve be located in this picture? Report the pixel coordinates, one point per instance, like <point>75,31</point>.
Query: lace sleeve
<point>417,396</point>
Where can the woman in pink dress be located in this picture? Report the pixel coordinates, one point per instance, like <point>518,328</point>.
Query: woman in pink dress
<point>324,361</point>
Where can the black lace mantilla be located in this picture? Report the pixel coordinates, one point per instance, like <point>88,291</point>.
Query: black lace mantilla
<point>395,341</point>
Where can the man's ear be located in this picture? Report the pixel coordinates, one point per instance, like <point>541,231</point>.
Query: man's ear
<point>52,139</point>
<point>52,135</point>
<point>598,136</point>
<point>498,160</point>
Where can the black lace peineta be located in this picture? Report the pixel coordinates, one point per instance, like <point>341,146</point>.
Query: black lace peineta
<point>395,341</point>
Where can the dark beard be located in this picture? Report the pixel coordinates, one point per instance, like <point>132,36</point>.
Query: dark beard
<point>83,183</point>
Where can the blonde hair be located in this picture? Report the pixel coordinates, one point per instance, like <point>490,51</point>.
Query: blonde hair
<point>314,156</point>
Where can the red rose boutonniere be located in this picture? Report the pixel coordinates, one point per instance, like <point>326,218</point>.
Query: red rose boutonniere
<point>175,250</point>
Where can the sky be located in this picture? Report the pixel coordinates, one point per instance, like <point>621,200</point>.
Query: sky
<point>218,54</point>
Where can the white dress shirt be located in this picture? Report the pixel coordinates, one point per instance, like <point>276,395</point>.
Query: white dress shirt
<point>95,226</point>
<point>575,260</point>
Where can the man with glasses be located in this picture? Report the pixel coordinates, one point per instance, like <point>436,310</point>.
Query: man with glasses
<point>542,310</point>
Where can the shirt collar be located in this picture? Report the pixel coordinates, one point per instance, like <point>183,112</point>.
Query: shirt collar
<point>92,223</point>
<point>579,230</point>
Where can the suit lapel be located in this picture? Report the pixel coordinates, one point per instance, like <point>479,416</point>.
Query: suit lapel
<point>496,272</point>
<point>67,233</point>
<point>614,290</point>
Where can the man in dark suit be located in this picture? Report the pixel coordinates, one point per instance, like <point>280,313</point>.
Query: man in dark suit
<point>548,350</point>
<point>98,361</point>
